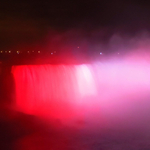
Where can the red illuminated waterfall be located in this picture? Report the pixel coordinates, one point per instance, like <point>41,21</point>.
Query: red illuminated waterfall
<point>72,91</point>
<point>53,90</point>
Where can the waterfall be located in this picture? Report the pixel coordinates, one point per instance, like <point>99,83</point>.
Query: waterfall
<point>100,90</point>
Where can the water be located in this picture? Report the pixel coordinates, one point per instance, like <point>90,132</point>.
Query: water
<point>112,93</point>
<point>103,105</point>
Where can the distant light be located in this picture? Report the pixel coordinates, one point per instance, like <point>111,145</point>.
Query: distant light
<point>78,47</point>
<point>9,51</point>
<point>51,53</point>
<point>32,51</point>
<point>28,52</point>
<point>1,51</point>
<point>5,51</point>
<point>118,53</point>
<point>18,52</point>
<point>54,51</point>
<point>38,51</point>
<point>100,53</point>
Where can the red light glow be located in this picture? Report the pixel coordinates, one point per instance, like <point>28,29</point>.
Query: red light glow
<point>80,91</point>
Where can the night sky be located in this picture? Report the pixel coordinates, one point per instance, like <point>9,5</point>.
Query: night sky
<point>74,23</point>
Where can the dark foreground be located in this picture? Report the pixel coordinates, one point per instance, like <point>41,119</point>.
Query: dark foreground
<point>24,132</point>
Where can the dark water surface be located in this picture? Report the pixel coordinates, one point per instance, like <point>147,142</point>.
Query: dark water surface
<point>25,132</point>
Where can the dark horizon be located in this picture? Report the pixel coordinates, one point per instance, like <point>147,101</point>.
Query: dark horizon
<point>67,25</point>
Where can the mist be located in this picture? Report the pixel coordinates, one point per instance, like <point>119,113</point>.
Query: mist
<point>74,75</point>
<point>111,92</point>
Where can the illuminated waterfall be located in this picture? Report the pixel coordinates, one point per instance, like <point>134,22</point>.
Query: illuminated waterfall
<point>68,91</point>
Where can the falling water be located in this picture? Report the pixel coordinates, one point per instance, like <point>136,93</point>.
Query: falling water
<point>100,92</point>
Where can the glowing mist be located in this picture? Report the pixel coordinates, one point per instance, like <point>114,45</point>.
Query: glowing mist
<point>94,93</point>
<point>53,90</point>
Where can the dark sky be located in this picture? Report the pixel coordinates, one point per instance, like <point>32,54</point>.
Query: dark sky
<point>28,21</point>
